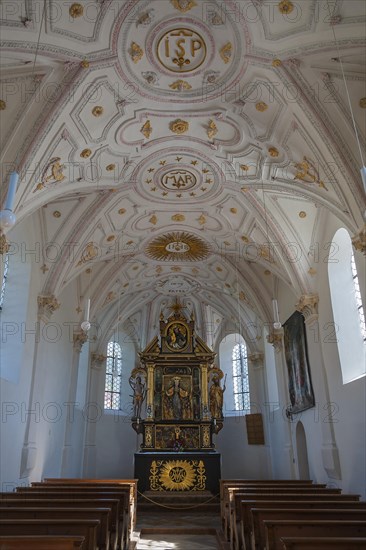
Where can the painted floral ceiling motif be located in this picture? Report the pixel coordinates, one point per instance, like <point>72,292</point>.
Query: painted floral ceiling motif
<point>184,148</point>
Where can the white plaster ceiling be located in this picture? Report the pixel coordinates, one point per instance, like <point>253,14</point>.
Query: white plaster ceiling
<point>93,124</point>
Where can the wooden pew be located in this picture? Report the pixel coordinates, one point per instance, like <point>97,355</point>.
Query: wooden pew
<point>131,483</point>
<point>323,543</point>
<point>224,483</point>
<point>229,491</point>
<point>275,530</point>
<point>79,527</point>
<point>233,512</point>
<point>101,514</point>
<point>13,500</point>
<point>246,525</point>
<point>41,543</point>
<point>239,523</point>
<point>77,492</point>
<point>259,515</point>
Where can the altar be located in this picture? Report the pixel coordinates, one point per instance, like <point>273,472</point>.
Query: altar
<point>186,471</point>
<point>180,383</point>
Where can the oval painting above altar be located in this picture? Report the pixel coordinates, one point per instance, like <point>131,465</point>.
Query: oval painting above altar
<point>177,339</point>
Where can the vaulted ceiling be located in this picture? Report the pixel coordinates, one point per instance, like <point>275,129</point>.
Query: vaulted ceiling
<point>163,144</point>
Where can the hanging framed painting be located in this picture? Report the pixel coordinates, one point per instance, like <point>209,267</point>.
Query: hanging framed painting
<point>299,377</point>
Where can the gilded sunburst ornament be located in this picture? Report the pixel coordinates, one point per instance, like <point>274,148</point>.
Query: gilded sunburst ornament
<point>177,475</point>
<point>177,247</point>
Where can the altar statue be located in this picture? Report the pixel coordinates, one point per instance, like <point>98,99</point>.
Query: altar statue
<point>177,401</point>
<point>216,398</point>
<point>139,392</point>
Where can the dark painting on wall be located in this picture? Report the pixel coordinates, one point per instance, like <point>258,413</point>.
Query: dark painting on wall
<point>299,379</point>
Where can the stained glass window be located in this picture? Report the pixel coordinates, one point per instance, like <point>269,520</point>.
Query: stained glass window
<point>113,377</point>
<point>241,377</point>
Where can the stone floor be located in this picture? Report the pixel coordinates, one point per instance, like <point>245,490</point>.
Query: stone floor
<point>181,522</point>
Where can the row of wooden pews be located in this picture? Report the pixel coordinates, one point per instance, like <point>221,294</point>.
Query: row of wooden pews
<point>88,514</point>
<point>290,514</point>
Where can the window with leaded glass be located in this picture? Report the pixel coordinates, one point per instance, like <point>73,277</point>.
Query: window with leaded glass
<point>241,377</point>
<point>356,285</point>
<point>3,283</point>
<point>113,377</point>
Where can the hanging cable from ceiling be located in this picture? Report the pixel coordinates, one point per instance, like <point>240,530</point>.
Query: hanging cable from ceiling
<point>363,169</point>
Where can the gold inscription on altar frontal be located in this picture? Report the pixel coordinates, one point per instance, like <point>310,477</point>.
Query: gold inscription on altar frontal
<point>181,50</point>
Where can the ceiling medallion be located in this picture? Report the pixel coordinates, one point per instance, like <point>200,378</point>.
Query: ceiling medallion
<point>136,52</point>
<point>183,5</point>
<point>286,6</point>
<point>76,10</point>
<point>177,246</point>
<point>121,211</point>
<point>226,52</point>
<point>302,214</point>
<point>244,167</point>
<point>180,85</point>
<point>2,105</point>
<point>110,238</point>
<point>146,129</point>
<point>179,126</point>
<point>276,63</point>
<point>110,167</point>
<point>261,106</point>
<point>181,50</point>
<point>273,152</point>
<point>363,103</point>
<point>57,214</point>
<point>85,64</point>
<point>85,153</point>
<point>97,111</point>
<point>178,179</point>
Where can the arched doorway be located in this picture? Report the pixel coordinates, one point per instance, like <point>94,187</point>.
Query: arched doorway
<point>302,452</point>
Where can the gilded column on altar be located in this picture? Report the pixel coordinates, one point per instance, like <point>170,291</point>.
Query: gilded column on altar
<point>204,367</point>
<point>150,390</point>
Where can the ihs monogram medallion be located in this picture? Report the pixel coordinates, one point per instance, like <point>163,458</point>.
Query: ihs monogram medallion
<point>181,50</point>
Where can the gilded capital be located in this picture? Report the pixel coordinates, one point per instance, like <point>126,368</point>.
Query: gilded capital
<point>308,305</point>
<point>256,359</point>
<point>47,304</point>
<point>359,240</point>
<point>97,359</point>
<point>275,338</point>
<point>79,338</point>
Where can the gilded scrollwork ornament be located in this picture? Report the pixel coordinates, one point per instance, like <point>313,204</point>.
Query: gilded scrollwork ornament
<point>136,52</point>
<point>226,52</point>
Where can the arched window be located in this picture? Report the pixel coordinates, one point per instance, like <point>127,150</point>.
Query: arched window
<point>241,377</point>
<point>356,286</point>
<point>113,377</point>
<point>348,313</point>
